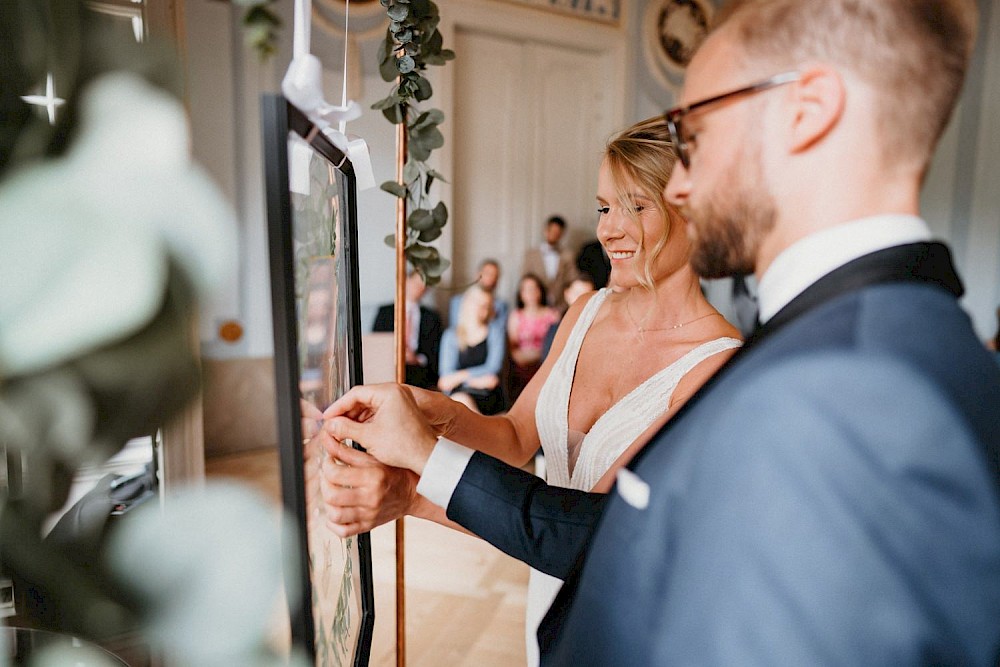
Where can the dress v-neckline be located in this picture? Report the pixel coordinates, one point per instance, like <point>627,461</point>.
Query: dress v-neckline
<point>612,431</point>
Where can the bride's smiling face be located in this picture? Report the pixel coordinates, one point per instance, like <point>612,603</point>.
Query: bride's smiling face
<point>630,227</point>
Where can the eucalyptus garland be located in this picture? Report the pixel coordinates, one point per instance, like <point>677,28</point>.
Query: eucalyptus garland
<point>412,43</point>
<point>260,26</point>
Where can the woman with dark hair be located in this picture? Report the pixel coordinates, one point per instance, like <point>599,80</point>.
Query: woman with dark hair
<point>526,329</point>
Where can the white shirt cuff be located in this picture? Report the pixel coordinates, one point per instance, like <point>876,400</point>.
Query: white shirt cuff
<point>443,471</point>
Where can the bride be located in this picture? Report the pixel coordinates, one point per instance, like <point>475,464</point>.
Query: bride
<point>623,361</point>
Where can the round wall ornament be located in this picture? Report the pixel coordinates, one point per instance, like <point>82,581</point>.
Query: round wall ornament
<point>674,29</point>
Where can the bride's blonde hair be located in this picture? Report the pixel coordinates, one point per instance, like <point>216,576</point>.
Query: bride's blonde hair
<point>644,155</point>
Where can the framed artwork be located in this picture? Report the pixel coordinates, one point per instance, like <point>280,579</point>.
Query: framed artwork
<point>673,30</point>
<point>605,11</point>
<point>312,238</point>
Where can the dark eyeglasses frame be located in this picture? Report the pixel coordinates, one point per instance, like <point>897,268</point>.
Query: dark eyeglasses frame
<point>674,116</point>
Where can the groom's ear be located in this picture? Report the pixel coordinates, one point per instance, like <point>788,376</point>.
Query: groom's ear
<point>816,102</point>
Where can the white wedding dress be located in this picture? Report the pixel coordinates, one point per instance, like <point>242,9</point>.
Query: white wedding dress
<point>578,460</point>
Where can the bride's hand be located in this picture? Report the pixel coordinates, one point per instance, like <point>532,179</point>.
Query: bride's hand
<point>439,410</point>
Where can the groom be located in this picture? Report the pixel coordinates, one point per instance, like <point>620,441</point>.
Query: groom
<point>832,496</point>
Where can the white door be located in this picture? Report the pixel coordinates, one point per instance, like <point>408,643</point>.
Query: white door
<point>530,122</point>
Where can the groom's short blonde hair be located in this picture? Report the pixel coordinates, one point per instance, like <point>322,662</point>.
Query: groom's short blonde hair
<point>916,52</point>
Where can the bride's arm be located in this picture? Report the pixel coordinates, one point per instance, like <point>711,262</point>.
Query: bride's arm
<point>512,437</point>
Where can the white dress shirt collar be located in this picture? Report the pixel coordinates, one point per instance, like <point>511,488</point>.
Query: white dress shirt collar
<point>806,261</point>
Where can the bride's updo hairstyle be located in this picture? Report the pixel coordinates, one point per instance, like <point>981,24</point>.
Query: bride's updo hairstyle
<point>644,155</point>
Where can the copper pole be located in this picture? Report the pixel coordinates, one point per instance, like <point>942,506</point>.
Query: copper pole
<point>399,339</point>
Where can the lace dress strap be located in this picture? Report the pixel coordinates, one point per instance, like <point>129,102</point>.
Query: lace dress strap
<point>626,420</point>
<point>552,407</point>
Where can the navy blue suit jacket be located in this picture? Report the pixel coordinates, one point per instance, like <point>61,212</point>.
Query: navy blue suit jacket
<point>830,497</point>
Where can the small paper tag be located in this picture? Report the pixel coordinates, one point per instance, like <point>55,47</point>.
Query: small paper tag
<point>298,166</point>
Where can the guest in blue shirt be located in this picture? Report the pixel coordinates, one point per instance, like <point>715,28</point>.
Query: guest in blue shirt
<point>488,279</point>
<point>472,352</point>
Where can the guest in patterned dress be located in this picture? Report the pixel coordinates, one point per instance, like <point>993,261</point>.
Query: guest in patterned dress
<point>526,329</point>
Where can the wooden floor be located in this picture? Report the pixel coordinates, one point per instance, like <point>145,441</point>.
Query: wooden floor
<point>464,599</point>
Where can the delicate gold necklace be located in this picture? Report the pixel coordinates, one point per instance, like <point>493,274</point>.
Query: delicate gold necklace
<point>643,329</point>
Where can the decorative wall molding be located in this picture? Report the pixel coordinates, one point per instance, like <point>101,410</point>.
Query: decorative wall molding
<point>605,11</point>
<point>671,31</point>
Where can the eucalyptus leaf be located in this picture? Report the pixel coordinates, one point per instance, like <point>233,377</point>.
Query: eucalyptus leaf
<point>430,234</point>
<point>428,118</point>
<point>387,102</point>
<point>421,251</point>
<point>424,90</point>
<point>429,23</point>
<point>433,42</point>
<point>394,188</point>
<point>437,268</point>
<point>440,214</point>
<point>410,171</point>
<point>398,12</point>
<point>418,151</point>
<point>436,174</point>
<point>432,138</point>
<point>421,219</point>
<point>404,36</point>
<point>261,15</point>
<point>447,54</point>
<point>394,114</point>
<point>387,68</point>
<point>405,64</point>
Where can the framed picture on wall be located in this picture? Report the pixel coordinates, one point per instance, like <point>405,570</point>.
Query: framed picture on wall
<point>312,239</point>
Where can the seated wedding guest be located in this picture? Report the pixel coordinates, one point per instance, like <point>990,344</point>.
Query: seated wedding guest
<point>593,261</point>
<point>472,352</point>
<point>550,261</point>
<point>622,363</point>
<point>423,333</point>
<point>832,496</point>
<point>488,277</point>
<point>581,284</point>
<point>526,329</point>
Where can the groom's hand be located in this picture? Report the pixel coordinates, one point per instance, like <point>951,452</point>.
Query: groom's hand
<point>385,420</point>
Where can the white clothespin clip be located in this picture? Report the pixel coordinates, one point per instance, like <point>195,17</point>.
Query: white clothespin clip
<point>303,87</point>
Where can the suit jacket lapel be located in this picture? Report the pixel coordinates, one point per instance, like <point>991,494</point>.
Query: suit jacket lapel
<point>917,262</point>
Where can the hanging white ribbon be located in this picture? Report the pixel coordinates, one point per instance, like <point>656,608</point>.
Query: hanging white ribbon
<point>303,87</point>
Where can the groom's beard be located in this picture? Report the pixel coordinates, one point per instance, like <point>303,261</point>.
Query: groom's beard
<point>728,228</point>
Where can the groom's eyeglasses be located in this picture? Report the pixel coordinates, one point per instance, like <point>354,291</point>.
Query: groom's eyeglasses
<point>675,116</point>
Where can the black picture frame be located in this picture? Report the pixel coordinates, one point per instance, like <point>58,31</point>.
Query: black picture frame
<point>295,273</point>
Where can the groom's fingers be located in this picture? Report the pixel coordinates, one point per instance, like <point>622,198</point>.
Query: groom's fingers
<point>349,455</point>
<point>358,401</point>
<point>344,428</point>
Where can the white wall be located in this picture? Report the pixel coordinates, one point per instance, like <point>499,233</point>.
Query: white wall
<point>962,196</point>
<point>961,200</point>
